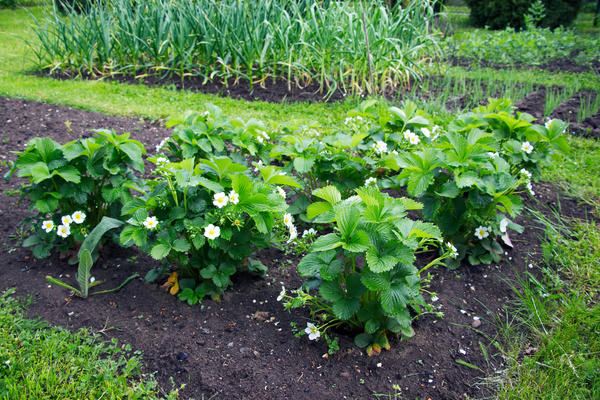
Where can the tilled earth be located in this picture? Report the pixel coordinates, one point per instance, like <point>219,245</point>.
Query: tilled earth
<point>242,347</point>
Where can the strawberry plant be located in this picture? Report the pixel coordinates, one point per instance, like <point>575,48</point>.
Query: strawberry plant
<point>202,135</point>
<point>205,219</point>
<point>72,187</point>
<point>363,274</point>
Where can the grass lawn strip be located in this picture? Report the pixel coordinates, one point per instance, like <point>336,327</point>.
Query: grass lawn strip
<point>42,362</point>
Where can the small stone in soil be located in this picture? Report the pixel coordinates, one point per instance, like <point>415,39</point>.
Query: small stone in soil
<point>181,356</point>
<point>476,323</point>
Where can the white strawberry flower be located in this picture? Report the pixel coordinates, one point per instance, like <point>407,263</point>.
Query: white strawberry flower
<point>234,197</point>
<point>503,225</point>
<point>66,220</point>
<point>312,331</point>
<point>530,188</point>
<point>48,226</point>
<point>258,166</point>
<point>161,144</point>
<point>493,155</point>
<point>212,232</point>
<point>426,132</point>
<point>150,223</point>
<point>525,172</point>
<point>548,123</point>
<point>281,294</point>
<point>407,134</point>
<point>372,181</point>
<point>264,135</point>
<point>63,231</point>
<point>288,220</point>
<point>293,233</point>
<point>78,217</point>
<point>281,192</point>
<point>380,147</point>
<point>527,147</point>
<point>220,199</point>
<point>482,232</point>
<point>162,161</point>
<point>260,139</point>
<point>453,250</point>
<point>414,139</point>
<point>311,231</point>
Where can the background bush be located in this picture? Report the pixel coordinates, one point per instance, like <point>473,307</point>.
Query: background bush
<point>499,14</point>
<point>8,3</point>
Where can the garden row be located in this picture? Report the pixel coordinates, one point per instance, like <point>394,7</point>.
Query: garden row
<point>301,43</point>
<point>219,194</point>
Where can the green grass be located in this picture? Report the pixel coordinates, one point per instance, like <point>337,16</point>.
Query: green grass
<point>552,346</point>
<point>579,171</point>
<point>39,362</point>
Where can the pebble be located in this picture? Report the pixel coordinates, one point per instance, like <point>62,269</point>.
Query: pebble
<point>230,344</point>
<point>181,356</point>
<point>476,323</point>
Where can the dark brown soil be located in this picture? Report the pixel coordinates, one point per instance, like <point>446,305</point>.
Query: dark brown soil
<point>558,65</point>
<point>274,91</point>
<point>534,104</point>
<point>242,347</point>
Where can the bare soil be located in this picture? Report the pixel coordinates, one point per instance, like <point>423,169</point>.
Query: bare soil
<point>242,347</point>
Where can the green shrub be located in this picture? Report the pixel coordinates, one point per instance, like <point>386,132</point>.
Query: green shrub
<point>499,14</point>
<point>8,3</point>
<point>529,47</point>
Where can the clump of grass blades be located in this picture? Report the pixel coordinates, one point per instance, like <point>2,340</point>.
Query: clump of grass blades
<point>40,362</point>
<point>301,42</point>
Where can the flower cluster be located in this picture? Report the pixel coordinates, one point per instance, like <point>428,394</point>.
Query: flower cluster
<point>380,147</point>
<point>527,176</point>
<point>64,229</point>
<point>221,199</point>
<point>452,249</point>
<point>288,221</point>
<point>412,137</point>
<point>262,136</point>
<point>309,232</point>
<point>161,144</point>
<point>258,166</point>
<point>353,120</point>
<point>431,134</point>
<point>162,161</point>
<point>372,181</point>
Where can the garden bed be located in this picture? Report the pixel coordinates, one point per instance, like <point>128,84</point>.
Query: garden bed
<point>558,65</point>
<point>242,346</point>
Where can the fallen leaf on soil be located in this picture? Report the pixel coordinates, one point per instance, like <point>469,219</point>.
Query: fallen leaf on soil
<point>260,315</point>
<point>172,284</point>
<point>506,240</point>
